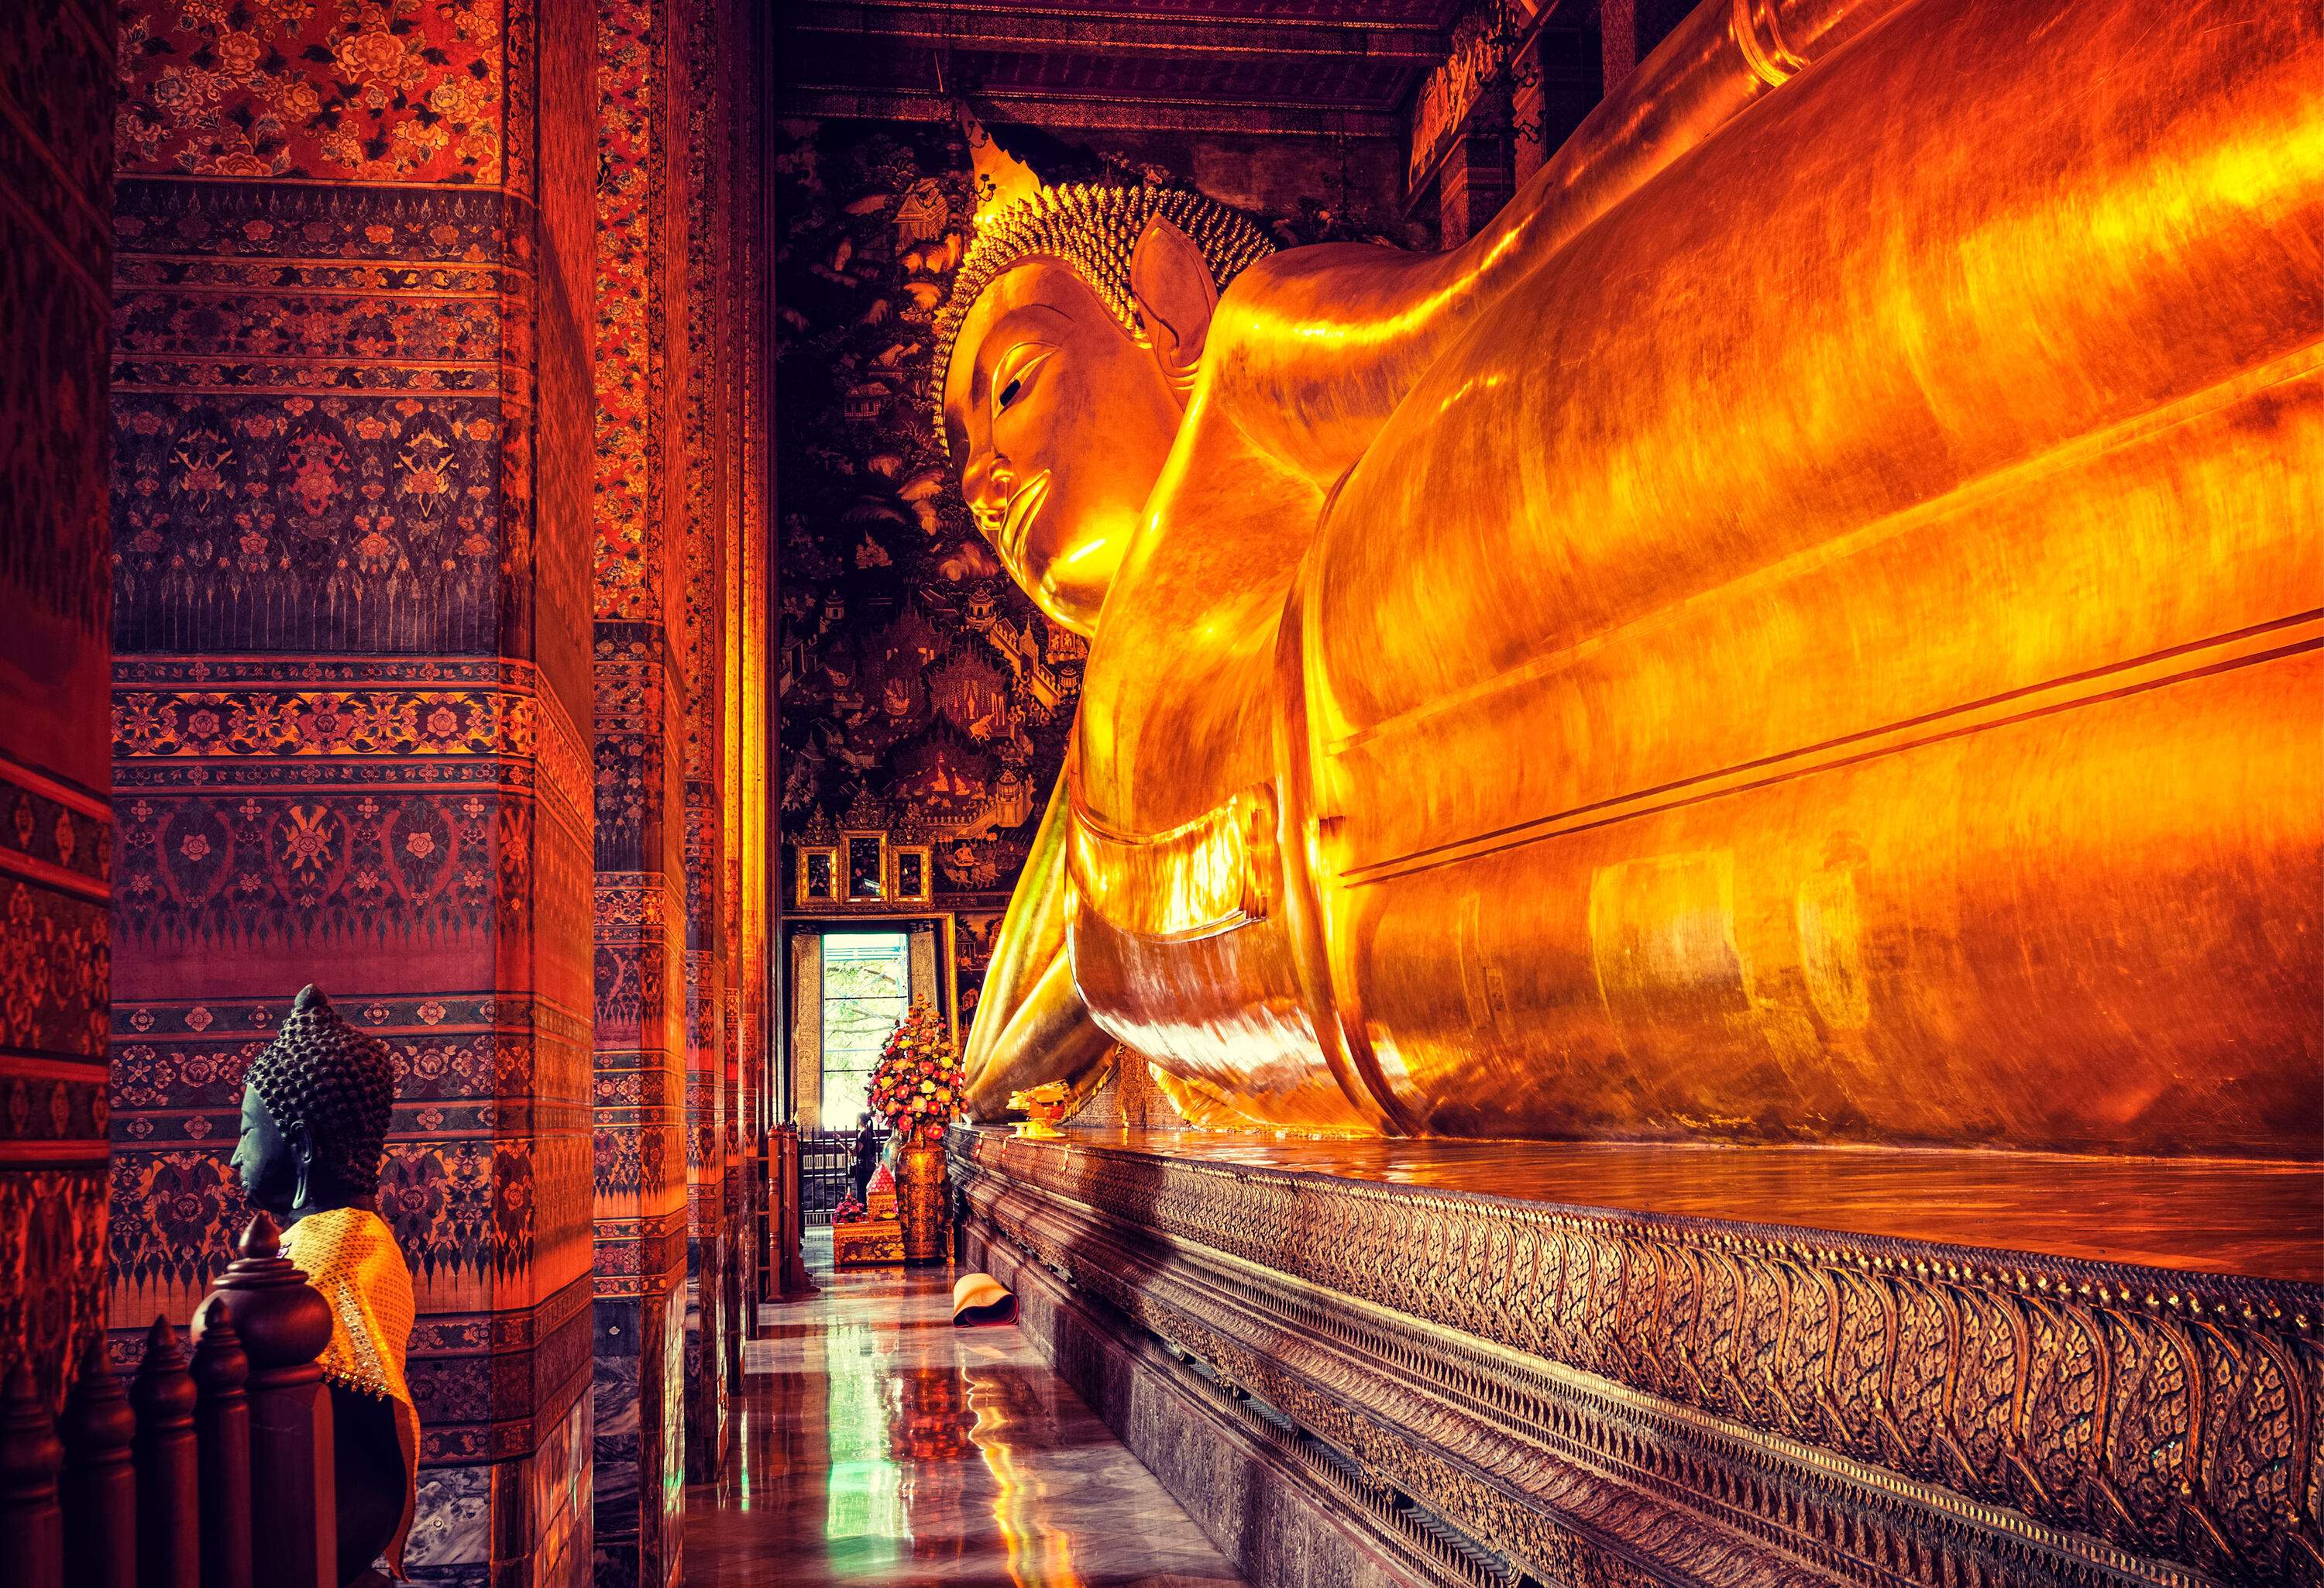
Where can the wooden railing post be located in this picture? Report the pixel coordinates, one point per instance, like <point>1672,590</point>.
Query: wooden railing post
<point>222,1438</point>
<point>284,1324</point>
<point>169,1502</point>
<point>790,1216</point>
<point>31,1525</point>
<point>99,1490</point>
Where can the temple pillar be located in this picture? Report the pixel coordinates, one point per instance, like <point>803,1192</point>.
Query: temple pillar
<point>1556,83</point>
<point>351,409</point>
<point>1617,41</point>
<point>641,1203</point>
<point>1480,170</point>
<point>56,182</point>
<point>709,437</point>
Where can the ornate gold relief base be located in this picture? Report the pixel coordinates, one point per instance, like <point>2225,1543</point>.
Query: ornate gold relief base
<point>1533,1391</point>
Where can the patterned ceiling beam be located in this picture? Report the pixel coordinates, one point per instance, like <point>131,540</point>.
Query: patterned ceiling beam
<point>1111,31</point>
<point>1195,116</point>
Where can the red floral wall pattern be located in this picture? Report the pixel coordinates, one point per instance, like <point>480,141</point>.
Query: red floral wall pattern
<point>56,70</point>
<point>640,545</point>
<point>362,90</point>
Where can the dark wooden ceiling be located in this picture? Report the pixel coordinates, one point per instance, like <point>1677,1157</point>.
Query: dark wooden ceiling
<point>1316,67</point>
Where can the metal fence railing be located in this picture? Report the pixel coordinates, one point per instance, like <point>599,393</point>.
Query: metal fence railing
<point>827,1164</point>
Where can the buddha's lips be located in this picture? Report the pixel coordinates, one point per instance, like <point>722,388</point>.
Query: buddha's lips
<point>1016,520</point>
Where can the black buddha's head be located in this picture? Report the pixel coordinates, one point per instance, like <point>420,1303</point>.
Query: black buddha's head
<point>315,1109</point>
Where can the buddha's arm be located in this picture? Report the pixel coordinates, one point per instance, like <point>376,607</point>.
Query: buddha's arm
<point>1312,349</point>
<point>1031,1025</point>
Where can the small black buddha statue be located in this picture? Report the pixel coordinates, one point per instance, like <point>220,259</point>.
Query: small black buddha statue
<point>315,1109</point>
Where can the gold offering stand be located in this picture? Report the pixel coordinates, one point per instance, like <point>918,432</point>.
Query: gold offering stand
<point>877,1239</point>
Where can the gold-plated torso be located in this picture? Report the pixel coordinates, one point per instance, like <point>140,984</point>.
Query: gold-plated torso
<point>1806,629</point>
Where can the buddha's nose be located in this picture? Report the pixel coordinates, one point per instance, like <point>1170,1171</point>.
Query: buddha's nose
<point>986,484</point>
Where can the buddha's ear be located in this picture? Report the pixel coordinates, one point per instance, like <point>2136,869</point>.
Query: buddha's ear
<point>1172,283</point>
<point>301,1140</point>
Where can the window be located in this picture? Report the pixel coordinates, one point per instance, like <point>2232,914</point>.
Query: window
<point>867,987</point>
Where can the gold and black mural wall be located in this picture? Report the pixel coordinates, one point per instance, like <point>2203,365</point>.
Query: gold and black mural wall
<point>922,694</point>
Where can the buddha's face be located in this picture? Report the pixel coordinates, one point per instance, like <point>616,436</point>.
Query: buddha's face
<point>1061,422</point>
<point>265,1157</point>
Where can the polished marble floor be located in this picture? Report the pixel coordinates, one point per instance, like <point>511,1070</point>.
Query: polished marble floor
<point>878,1445</point>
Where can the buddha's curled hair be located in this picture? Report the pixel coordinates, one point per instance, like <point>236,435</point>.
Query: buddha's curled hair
<point>1091,229</point>
<point>336,1081</point>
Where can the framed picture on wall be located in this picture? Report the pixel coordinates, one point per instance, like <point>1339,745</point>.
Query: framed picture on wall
<point>819,873</point>
<point>914,866</point>
<point>864,865</point>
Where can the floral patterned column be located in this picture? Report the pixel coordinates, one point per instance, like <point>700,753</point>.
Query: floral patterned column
<point>352,693</point>
<point>640,1212</point>
<point>56,180</point>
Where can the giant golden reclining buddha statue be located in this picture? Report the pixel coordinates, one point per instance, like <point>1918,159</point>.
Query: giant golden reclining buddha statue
<point>1805,629</point>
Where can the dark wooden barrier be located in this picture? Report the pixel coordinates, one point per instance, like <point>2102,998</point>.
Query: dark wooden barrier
<point>165,1483</point>
<point>32,1523</point>
<point>100,1482</point>
<point>169,1492</point>
<point>284,1324</point>
<point>222,1446</point>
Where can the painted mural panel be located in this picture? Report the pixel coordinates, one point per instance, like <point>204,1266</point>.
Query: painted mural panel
<point>919,689</point>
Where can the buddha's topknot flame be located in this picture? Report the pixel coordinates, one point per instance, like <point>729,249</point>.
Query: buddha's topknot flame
<point>1091,229</point>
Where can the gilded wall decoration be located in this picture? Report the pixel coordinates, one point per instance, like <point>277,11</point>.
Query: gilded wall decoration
<point>307,426</point>
<point>632,329</point>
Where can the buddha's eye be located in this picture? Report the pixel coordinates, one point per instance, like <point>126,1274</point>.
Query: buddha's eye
<point>1008,393</point>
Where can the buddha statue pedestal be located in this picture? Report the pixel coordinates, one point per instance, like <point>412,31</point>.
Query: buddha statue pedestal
<point>1609,1364</point>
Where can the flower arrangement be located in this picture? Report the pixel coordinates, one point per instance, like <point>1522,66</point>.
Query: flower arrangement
<point>848,1211</point>
<point>916,1085</point>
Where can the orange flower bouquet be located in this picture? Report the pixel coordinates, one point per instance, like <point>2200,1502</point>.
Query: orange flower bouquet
<point>916,1085</point>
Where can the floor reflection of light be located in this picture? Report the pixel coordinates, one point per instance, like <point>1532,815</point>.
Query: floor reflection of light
<point>864,1490</point>
<point>1045,1552</point>
<point>865,1501</point>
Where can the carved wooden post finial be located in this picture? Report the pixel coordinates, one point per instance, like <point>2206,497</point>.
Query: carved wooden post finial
<point>283,1323</point>
<point>100,1490</point>
<point>168,1507</point>
<point>222,1434</point>
<point>31,1525</point>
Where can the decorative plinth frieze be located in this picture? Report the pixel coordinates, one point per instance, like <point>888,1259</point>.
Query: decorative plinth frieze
<point>1591,1393</point>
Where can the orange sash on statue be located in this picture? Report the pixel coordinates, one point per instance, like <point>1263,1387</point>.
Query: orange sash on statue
<point>350,1255</point>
